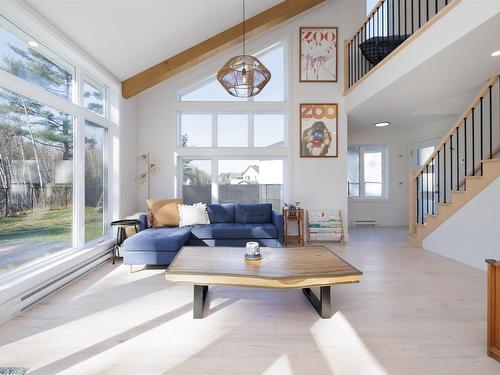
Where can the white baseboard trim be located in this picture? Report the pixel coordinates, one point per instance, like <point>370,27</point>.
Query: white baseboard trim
<point>20,294</point>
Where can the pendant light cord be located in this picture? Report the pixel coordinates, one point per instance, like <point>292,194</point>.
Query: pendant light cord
<point>243,27</point>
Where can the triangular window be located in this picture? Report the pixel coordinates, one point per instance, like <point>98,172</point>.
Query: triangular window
<point>210,90</point>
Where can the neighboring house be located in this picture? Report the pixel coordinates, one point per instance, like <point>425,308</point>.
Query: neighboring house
<point>251,174</point>
<point>248,176</point>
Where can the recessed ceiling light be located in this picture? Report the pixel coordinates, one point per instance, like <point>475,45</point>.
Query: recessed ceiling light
<point>32,43</point>
<point>381,124</point>
<point>496,53</point>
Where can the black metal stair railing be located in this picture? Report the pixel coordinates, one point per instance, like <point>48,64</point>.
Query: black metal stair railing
<point>475,137</point>
<point>388,25</point>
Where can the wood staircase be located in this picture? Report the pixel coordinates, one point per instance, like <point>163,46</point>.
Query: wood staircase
<point>465,162</point>
<point>473,186</point>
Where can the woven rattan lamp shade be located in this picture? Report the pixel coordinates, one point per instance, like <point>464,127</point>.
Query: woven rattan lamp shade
<point>243,76</point>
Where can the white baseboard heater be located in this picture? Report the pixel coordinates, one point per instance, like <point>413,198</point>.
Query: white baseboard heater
<point>364,223</point>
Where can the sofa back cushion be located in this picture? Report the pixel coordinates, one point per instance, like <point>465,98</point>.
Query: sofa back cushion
<point>253,213</point>
<point>221,213</point>
<point>164,212</point>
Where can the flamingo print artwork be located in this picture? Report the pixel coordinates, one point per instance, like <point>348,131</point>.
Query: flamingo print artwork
<point>318,54</point>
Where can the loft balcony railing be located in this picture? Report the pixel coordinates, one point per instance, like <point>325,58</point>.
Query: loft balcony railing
<point>474,138</point>
<point>389,25</point>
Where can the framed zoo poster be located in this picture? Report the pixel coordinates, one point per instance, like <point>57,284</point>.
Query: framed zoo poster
<point>318,54</point>
<point>319,130</point>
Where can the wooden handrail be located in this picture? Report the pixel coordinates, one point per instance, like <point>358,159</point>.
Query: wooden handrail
<point>458,124</point>
<point>419,196</point>
<point>370,28</point>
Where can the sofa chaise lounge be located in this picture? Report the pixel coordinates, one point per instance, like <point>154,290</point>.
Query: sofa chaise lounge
<point>230,225</point>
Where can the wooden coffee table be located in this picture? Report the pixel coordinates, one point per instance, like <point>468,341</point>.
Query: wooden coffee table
<point>282,268</point>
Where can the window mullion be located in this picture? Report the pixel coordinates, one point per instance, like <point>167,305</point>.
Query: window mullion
<point>214,129</point>
<point>215,181</point>
<point>78,87</point>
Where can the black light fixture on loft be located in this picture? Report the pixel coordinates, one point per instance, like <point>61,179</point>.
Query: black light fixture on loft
<point>243,76</point>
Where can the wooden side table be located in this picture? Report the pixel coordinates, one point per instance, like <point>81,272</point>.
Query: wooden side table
<point>294,215</point>
<point>120,233</point>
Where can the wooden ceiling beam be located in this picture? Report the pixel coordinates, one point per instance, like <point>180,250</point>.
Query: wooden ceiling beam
<point>226,39</point>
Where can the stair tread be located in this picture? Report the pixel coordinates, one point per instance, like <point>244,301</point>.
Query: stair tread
<point>490,161</point>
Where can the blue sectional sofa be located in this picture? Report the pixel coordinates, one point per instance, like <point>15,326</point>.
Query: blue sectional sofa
<point>230,225</point>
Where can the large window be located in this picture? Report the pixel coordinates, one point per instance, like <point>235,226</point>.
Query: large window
<point>234,151</point>
<point>95,181</point>
<point>238,181</point>
<point>366,171</point>
<point>196,181</point>
<point>36,181</point>
<point>232,130</point>
<point>210,90</point>
<point>30,60</point>
<point>94,96</point>
<point>264,129</point>
<point>195,130</point>
<point>42,209</point>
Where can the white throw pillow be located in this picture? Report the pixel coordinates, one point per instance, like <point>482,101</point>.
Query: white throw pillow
<point>193,214</point>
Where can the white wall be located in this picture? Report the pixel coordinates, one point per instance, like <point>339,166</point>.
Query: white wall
<point>392,211</point>
<point>316,183</point>
<point>127,146</point>
<point>472,234</point>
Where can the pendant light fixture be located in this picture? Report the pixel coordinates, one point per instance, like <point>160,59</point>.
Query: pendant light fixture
<point>243,76</point>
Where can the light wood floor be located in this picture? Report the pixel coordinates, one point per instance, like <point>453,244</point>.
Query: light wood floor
<point>414,312</point>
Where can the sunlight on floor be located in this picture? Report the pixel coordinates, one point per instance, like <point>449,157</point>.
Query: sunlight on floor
<point>414,312</point>
<point>279,367</point>
<point>343,349</point>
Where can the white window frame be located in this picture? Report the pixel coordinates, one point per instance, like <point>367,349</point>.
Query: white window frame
<point>95,83</point>
<point>200,82</point>
<point>214,128</point>
<point>251,107</point>
<point>215,171</point>
<point>385,169</point>
<point>106,205</point>
<point>431,142</point>
<point>25,19</point>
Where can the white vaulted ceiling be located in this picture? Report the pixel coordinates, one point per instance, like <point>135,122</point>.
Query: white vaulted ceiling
<point>128,36</point>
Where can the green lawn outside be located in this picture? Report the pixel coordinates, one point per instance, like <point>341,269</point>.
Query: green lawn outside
<point>49,225</point>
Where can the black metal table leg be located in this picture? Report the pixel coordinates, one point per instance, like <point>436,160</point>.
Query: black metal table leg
<point>200,293</point>
<point>323,305</point>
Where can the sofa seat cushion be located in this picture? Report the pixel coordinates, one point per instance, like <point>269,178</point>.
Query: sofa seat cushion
<point>158,239</point>
<point>234,230</point>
